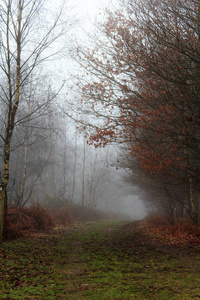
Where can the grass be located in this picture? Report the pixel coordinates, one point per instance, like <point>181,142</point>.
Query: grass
<point>95,261</point>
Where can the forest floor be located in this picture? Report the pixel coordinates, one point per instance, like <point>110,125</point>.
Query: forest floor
<point>107,260</point>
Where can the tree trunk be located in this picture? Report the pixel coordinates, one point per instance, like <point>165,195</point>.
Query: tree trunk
<point>12,110</point>
<point>193,212</point>
<point>83,175</point>
<point>75,163</point>
<point>1,212</point>
<point>21,192</point>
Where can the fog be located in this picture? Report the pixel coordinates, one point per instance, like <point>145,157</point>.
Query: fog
<point>79,116</point>
<point>114,194</point>
<point>50,159</point>
<point>103,177</point>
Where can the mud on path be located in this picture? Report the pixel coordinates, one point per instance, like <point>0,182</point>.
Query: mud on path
<point>126,236</point>
<point>135,234</point>
<point>115,260</point>
<point>173,267</point>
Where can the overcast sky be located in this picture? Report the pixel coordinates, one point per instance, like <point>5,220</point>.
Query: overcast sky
<point>86,12</point>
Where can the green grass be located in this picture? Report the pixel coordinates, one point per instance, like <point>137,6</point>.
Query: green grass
<point>97,261</point>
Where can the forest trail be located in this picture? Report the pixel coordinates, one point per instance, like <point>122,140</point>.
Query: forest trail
<point>109,260</point>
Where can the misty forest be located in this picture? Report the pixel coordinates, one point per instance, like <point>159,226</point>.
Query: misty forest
<point>99,149</point>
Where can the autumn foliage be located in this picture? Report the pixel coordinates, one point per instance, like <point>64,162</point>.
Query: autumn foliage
<point>158,230</point>
<point>24,221</point>
<point>146,82</point>
<point>184,233</point>
<point>144,88</point>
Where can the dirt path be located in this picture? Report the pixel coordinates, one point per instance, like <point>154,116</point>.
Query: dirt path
<point>97,261</point>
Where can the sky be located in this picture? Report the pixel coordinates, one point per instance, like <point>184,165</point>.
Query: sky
<point>89,8</point>
<point>86,12</point>
<point>84,8</point>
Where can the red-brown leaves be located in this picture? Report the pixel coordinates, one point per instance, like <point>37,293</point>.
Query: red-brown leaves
<point>184,233</point>
<point>23,221</point>
<point>145,79</point>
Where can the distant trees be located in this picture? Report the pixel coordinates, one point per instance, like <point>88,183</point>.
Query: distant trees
<point>89,172</point>
<point>142,82</point>
<point>32,148</point>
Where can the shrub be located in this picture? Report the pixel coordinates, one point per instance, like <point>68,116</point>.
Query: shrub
<point>157,220</point>
<point>61,214</point>
<point>23,221</point>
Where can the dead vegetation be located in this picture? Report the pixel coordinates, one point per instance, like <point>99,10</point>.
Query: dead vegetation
<point>158,230</point>
<point>21,222</point>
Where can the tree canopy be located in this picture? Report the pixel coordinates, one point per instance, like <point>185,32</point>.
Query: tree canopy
<point>145,86</point>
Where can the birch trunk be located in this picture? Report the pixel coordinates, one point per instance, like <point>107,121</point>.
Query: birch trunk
<point>12,110</point>
<point>83,175</point>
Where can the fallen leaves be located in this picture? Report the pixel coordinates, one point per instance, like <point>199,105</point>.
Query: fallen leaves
<point>182,234</point>
<point>178,234</point>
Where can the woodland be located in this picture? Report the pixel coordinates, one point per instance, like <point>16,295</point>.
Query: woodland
<point>142,83</point>
<point>134,99</point>
<point>86,121</point>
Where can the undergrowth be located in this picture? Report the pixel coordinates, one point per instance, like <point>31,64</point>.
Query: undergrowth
<point>96,261</point>
<point>159,229</point>
<point>20,222</point>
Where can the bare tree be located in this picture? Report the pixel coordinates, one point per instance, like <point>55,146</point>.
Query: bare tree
<point>25,44</point>
<point>142,83</point>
